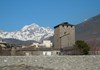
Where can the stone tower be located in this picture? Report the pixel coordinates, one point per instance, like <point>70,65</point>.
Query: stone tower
<point>64,35</point>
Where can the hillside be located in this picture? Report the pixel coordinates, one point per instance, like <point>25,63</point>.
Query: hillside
<point>18,42</point>
<point>89,31</point>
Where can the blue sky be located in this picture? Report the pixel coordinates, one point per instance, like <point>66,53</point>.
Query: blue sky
<point>14,14</point>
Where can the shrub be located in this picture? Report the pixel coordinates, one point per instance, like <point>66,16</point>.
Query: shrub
<point>82,46</point>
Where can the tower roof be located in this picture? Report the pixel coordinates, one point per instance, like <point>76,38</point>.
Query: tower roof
<point>64,24</point>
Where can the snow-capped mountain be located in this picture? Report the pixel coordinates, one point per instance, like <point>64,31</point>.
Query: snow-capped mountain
<point>29,32</point>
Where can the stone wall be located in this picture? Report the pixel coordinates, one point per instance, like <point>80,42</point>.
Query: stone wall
<point>54,62</point>
<point>64,36</point>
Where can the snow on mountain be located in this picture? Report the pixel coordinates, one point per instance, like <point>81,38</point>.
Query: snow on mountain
<point>29,32</point>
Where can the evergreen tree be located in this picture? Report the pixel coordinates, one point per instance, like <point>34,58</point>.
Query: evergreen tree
<point>82,46</point>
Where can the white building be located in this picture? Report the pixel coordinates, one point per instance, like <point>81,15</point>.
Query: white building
<point>47,43</point>
<point>35,44</point>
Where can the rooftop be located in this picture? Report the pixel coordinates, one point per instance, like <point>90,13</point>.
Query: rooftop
<point>38,49</point>
<point>64,23</point>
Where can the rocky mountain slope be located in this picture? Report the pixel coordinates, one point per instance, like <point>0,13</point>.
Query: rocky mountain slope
<point>89,31</point>
<point>19,42</point>
<point>29,32</point>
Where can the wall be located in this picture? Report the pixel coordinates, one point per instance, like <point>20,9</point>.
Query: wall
<point>64,36</point>
<point>55,62</point>
<point>56,37</point>
<point>47,43</point>
<point>69,38</point>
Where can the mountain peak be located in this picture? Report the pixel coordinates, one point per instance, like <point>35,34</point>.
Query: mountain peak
<point>34,24</point>
<point>29,32</point>
<point>31,26</point>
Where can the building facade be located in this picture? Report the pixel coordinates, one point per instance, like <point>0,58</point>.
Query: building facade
<point>47,43</point>
<point>64,35</point>
<point>35,44</point>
